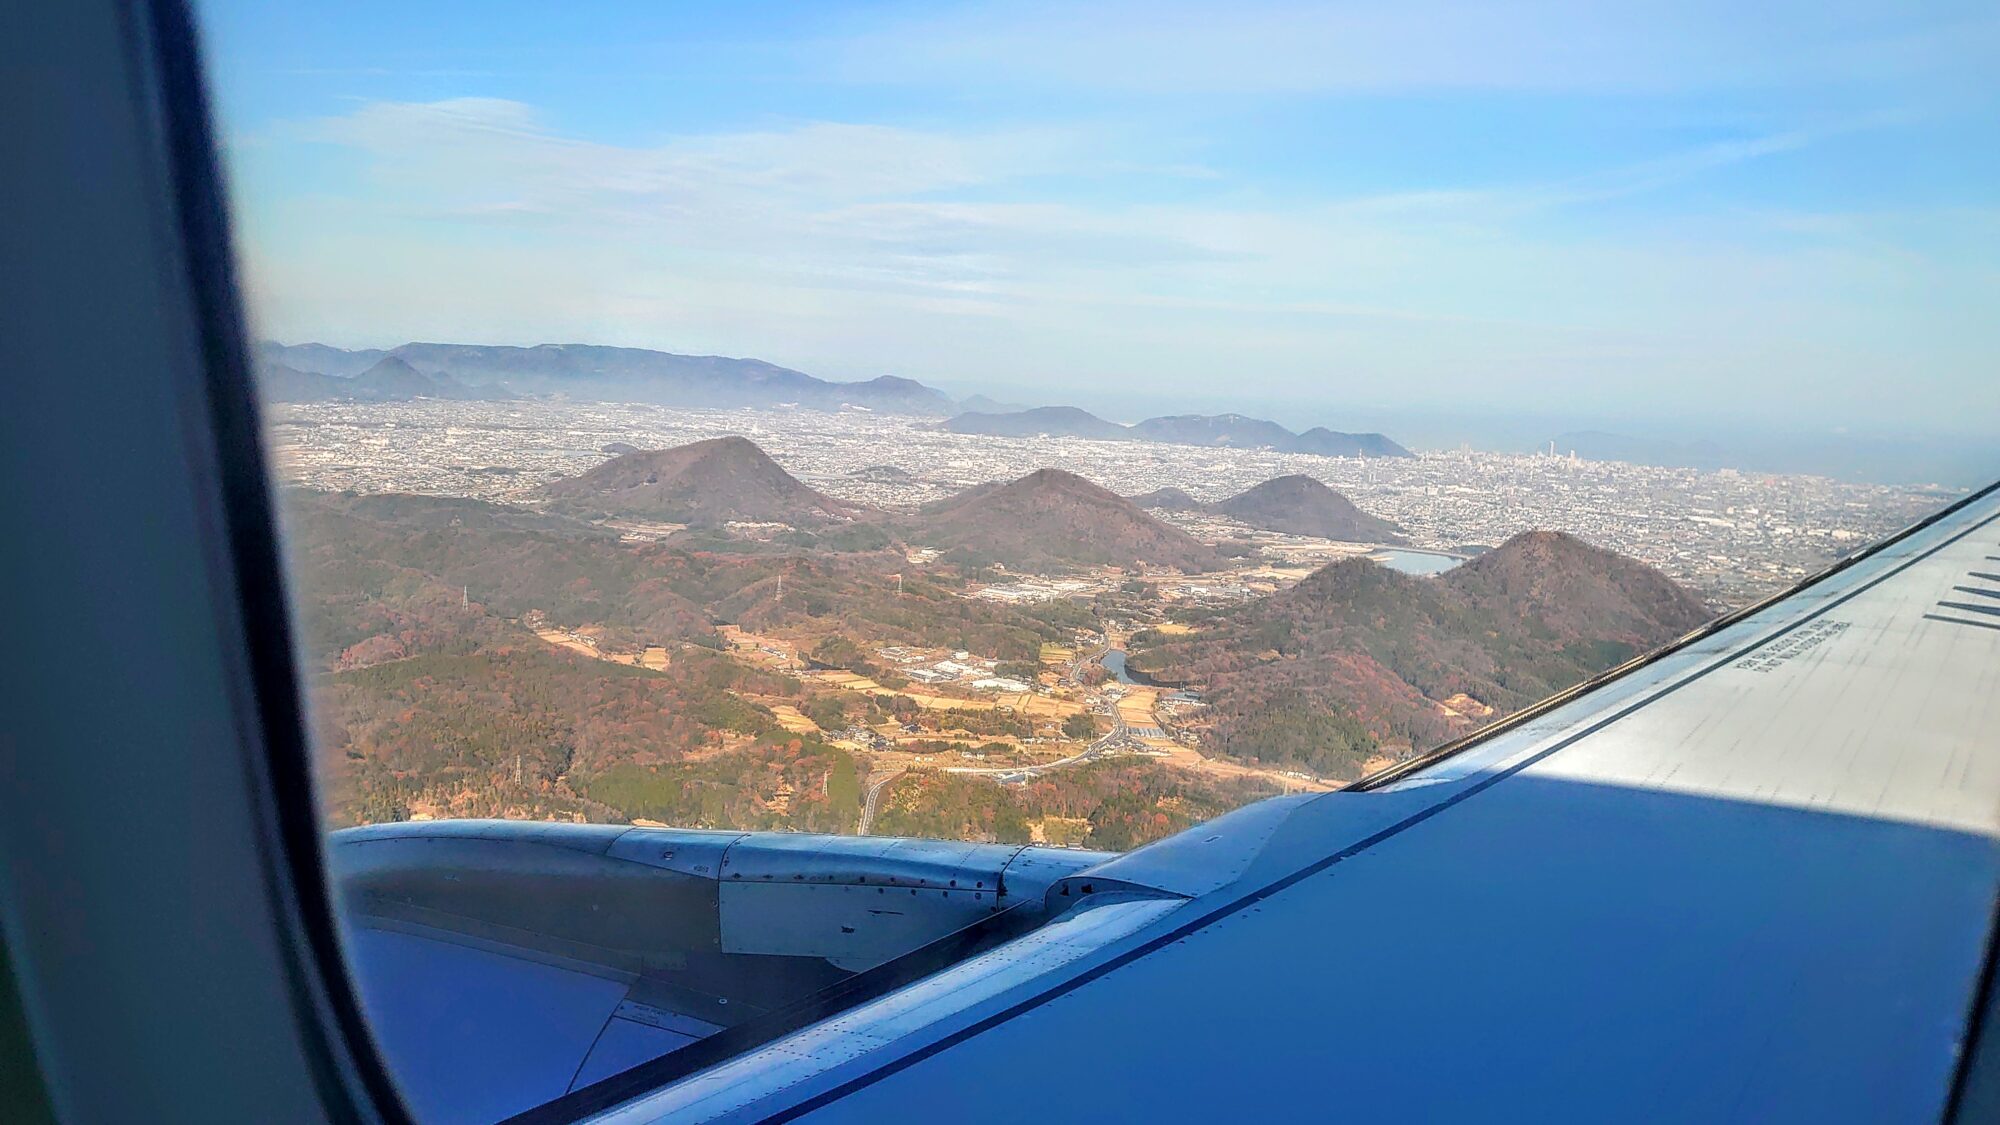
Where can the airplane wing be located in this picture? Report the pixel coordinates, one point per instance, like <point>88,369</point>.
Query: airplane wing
<point>1749,878</point>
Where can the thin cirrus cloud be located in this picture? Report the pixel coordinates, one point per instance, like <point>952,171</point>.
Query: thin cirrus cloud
<point>819,199</point>
<point>834,191</point>
<point>1029,241</point>
<point>496,136</point>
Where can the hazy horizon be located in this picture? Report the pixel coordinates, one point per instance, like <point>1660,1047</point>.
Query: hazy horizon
<point>1781,220</point>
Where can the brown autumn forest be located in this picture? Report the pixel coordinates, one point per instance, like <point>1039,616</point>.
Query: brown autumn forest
<point>428,699</point>
<point>435,696</point>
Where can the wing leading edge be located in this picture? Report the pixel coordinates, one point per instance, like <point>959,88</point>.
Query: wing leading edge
<point>1751,879</point>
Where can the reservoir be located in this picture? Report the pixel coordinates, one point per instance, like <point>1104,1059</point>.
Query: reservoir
<point>1114,659</point>
<point>1414,562</point>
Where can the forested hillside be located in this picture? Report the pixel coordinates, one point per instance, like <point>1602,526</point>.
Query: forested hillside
<point>383,576</point>
<point>433,695</point>
<point>1052,520</point>
<point>1358,658</point>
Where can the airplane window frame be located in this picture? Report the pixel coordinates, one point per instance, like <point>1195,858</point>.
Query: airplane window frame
<point>159,44</point>
<point>251,532</point>
<point>123,91</point>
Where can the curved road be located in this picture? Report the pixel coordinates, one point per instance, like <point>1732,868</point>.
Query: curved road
<point>1119,733</point>
<point>872,802</point>
<point>1077,666</point>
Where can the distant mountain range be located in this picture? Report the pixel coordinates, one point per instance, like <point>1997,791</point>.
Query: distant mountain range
<point>980,404</point>
<point>1055,421</point>
<point>1358,658</point>
<point>587,371</point>
<point>1333,443</point>
<point>313,372</point>
<point>1054,520</point>
<point>319,359</point>
<point>1295,504</point>
<point>388,379</point>
<point>705,483</point>
<point>1231,431</point>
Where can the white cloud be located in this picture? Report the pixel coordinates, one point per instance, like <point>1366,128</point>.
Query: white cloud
<point>437,145</point>
<point>849,250</point>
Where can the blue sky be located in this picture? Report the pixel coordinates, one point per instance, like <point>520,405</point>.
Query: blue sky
<point>1336,212</point>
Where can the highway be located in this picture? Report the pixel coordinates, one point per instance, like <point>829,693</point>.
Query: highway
<point>871,803</point>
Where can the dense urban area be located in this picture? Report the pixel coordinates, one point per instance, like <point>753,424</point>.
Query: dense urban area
<point>1730,536</point>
